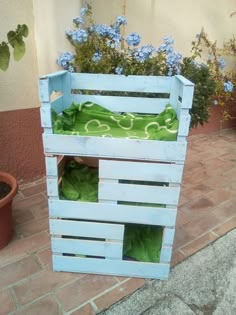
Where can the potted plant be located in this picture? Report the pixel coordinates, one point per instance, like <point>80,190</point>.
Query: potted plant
<point>8,190</point>
<point>8,183</point>
<point>101,48</point>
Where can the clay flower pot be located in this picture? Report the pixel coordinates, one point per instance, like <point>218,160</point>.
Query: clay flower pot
<point>6,209</point>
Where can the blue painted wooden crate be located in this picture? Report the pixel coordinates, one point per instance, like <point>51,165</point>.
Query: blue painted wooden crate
<point>97,229</point>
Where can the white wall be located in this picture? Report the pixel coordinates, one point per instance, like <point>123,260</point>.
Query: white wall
<point>52,19</point>
<point>183,19</point>
<point>18,85</point>
<point>47,22</point>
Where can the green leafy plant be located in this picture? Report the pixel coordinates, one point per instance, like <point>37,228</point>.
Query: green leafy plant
<point>224,80</point>
<point>16,41</point>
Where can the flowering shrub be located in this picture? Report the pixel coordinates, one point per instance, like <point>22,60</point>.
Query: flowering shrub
<point>101,48</point>
<point>224,80</point>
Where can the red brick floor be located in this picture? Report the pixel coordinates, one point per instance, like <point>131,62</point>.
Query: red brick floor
<point>207,210</point>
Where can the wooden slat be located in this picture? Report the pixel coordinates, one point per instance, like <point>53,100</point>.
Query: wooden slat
<point>45,114</point>
<point>168,237</point>
<point>111,267</point>
<point>184,123</point>
<point>166,253</point>
<point>112,212</point>
<point>86,229</point>
<point>52,187</point>
<point>125,104</point>
<point>51,166</point>
<point>139,193</point>
<point>110,82</point>
<point>114,147</point>
<point>87,247</point>
<point>140,171</point>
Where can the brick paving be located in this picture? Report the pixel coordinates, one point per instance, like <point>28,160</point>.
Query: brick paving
<point>207,210</point>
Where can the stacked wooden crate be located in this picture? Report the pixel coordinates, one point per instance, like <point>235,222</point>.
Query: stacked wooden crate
<point>87,236</point>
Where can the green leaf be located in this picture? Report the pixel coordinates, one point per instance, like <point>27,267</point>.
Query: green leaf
<point>11,36</point>
<point>24,30</point>
<point>19,49</point>
<point>4,56</point>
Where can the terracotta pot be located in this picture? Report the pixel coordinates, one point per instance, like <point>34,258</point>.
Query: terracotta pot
<point>6,209</point>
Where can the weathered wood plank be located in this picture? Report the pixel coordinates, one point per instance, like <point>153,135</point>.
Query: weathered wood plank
<point>166,151</point>
<point>140,171</point>
<point>112,212</point>
<point>86,229</point>
<point>111,267</point>
<point>87,247</point>
<point>112,82</point>
<point>139,193</point>
<point>125,104</point>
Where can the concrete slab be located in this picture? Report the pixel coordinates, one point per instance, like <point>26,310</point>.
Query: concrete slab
<point>204,284</point>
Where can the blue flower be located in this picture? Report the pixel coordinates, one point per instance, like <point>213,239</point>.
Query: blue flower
<point>221,63</point>
<point>121,20</point>
<point>101,29</point>
<point>167,45</point>
<point>119,70</point>
<point>228,86</point>
<point>114,36</point>
<point>173,62</point>
<point>139,55</point>
<point>78,20</point>
<point>83,11</point>
<point>147,50</point>
<point>65,59</point>
<point>79,36</point>
<point>133,39</point>
<point>97,56</point>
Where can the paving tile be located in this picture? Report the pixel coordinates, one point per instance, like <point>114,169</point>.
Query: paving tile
<point>182,218</point>
<point>220,195</point>
<point>45,256</point>
<point>226,210</point>
<point>84,289</point>
<point>40,210</point>
<point>177,257</point>
<point>181,238</point>
<point>40,284</point>
<point>217,181</point>
<point>197,207</point>
<point>225,227</point>
<point>45,306</point>
<point>199,243</point>
<point>22,216</point>
<point>34,189</point>
<point>196,191</point>
<point>27,203</point>
<point>85,310</point>
<point>23,247</point>
<point>118,293</point>
<point>18,270</point>
<point>7,304</point>
<point>193,178</point>
<point>199,226</point>
<point>34,227</point>
<point>182,199</point>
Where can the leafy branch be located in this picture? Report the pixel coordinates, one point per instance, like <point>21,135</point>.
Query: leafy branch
<point>16,41</point>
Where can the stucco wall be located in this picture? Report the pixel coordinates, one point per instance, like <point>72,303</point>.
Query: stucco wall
<point>18,85</point>
<point>52,19</point>
<point>183,19</point>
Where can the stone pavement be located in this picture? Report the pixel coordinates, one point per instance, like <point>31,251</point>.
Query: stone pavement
<point>204,284</point>
<point>207,210</point>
